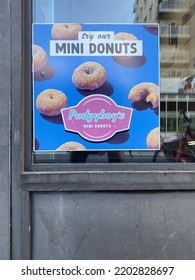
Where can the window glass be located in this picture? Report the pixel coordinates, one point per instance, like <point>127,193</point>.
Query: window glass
<point>176,20</point>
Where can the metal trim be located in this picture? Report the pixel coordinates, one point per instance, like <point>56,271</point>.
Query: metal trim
<point>29,167</point>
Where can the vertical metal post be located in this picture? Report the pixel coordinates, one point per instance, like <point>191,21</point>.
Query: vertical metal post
<point>26,226</point>
<point>177,113</point>
<point>166,99</point>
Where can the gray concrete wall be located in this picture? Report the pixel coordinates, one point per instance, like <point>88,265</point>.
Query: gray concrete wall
<point>5,170</point>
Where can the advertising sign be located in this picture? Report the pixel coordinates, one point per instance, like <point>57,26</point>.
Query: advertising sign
<point>95,87</point>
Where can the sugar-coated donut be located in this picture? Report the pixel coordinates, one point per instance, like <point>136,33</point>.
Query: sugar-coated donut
<point>152,139</point>
<point>65,31</point>
<point>153,98</point>
<point>89,76</point>
<point>145,91</point>
<point>71,146</point>
<point>50,101</point>
<point>128,61</point>
<point>151,28</point>
<point>123,36</point>
<point>39,57</point>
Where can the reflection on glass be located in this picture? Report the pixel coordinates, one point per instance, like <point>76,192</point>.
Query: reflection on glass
<point>177,53</point>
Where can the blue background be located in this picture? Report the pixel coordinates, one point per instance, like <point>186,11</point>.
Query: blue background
<point>49,132</point>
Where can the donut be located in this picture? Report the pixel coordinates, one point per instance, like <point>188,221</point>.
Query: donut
<point>123,36</point>
<point>71,146</point>
<point>89,76</point>
<point>128,61</point>
<point>153,98</point>
<point>65,31</point>
<point>152,139</point>
<point>50,101</point>
<point>39,57</point>
<point>151,28</point>
<point>145,91</point>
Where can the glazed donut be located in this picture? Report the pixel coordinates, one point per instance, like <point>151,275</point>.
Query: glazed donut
<point>50,101</point>
<point>89,76</point>
<point>39,57</point>
<point>152,139</point>
<point>145,91</point>
<point>71,146</point>
<point>65,31</point>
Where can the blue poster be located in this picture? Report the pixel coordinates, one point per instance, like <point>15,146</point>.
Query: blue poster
<point>95,87</point>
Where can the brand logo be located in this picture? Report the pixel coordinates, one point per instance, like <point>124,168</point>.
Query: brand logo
<point>96,118</point>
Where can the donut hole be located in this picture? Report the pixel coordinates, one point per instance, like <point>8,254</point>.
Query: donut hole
<point>144,93</point>
<point>89,71</point>
<point>51,97</point>
<point>45,73</point>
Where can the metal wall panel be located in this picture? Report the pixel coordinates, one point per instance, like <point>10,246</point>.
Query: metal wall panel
<point>113,225</point>
<point>4,130</point>
<point>17,53</point>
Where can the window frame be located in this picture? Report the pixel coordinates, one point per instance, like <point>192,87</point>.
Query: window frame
<point>99,176</point>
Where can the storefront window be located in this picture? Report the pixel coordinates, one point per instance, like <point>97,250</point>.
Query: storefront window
<point>176,20</point>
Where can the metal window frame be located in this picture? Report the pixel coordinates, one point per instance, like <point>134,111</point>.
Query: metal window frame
<point>133,176</point>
